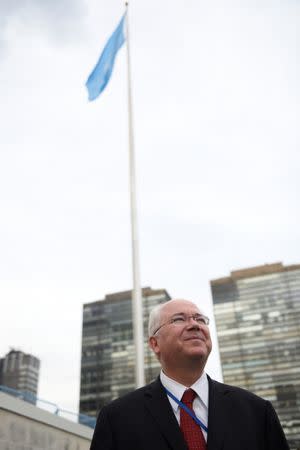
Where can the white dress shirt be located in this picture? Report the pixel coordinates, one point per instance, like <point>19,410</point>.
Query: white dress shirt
<point>200,404</point>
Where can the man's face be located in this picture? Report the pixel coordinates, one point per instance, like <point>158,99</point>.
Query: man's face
<point>180,342</point>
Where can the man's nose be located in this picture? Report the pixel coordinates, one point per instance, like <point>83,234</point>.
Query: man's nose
<point>192,322</point>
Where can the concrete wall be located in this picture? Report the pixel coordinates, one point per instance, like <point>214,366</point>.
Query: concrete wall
<point>26,427</point>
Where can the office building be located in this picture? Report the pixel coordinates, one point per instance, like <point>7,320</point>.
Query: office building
<point>108,354</point>
<point>20,371</point>
<point>257,313</point>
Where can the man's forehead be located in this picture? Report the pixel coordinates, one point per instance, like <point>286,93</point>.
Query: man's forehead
<point>179,306</point>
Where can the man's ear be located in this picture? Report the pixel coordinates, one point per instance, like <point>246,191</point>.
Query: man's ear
<point>153,344</point>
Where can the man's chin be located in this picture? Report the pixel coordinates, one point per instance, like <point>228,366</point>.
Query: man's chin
<point>198,352</point>
<point>198,349</point>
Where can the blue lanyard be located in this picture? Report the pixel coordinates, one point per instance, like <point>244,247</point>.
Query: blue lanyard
<point>188,410</point>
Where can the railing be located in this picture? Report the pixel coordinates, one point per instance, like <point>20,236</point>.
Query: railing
<point>50,407</point>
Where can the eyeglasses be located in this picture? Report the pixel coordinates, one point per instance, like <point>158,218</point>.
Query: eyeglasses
<point>183,319</point>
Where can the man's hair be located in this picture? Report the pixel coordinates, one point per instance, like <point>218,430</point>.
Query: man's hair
<point>154,319</point>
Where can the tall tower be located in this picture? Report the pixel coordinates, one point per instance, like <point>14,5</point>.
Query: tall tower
<point>257,313</point>
<point>20,371</point>
<point>108,354</point>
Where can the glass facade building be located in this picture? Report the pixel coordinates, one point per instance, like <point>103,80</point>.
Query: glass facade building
<point>257,313</point>
<point>108,356</point>
<point>20,371</point>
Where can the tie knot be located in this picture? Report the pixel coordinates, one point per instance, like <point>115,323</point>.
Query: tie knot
<point>188,397</point>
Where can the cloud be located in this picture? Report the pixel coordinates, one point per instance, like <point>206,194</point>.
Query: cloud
<point>59,20</point>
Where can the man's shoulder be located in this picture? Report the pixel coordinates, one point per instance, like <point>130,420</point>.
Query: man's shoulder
<point>236,391</point>
<point>133,397</point>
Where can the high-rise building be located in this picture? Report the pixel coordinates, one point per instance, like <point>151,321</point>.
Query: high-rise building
<point>108,354</point>
<point>257,313</point>
<point>20,371</point>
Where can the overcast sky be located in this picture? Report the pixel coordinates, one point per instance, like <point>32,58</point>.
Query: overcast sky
<point>216,111</point>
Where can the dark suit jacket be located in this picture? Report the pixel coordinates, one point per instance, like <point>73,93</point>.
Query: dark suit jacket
<point>144,420</point>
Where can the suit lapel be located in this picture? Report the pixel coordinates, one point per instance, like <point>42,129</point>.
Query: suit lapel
<point>218,414</point>
<point>158,405</point>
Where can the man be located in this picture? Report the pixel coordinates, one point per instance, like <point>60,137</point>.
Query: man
<point>184,409</point>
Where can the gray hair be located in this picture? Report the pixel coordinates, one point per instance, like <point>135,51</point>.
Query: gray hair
<point>154,319</point>
<point>155,316</point>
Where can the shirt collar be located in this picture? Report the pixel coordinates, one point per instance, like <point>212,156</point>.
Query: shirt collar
<point>177,389</point>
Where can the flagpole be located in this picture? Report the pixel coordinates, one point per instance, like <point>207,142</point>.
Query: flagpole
<point>137,309</point>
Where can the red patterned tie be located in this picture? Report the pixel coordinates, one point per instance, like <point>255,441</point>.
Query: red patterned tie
<point>191,431</point>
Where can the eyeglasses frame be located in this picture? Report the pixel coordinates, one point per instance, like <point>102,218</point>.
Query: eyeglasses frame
<point>187,318</point>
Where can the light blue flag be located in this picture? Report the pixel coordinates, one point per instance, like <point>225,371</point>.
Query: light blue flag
<point>101,74</point>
